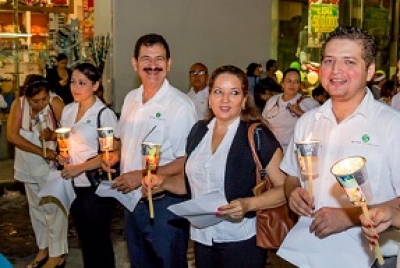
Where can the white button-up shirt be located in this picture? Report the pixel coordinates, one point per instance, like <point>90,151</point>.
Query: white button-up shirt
<point>200,100</point>
<point>372,131</point>
<point>84,142</point>
<point>206,174</point>
<point>167,117</point>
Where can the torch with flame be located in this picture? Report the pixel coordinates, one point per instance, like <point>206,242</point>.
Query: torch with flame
<point>307,155</point>
<point>151,157</point>
<point>350,173</point>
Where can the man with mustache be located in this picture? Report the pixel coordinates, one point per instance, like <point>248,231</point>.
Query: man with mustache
<point>155,112</point>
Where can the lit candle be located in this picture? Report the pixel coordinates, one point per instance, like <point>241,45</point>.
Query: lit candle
<point>307,152</point>
<point>151,156</point>
<point>63,140</point>
<point>106,141</point>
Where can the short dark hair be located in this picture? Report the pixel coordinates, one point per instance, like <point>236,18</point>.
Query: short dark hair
<point>318,91</point>
<point>270,64</point>
<point>250,112</point>
<point>201,65</point>
<point>61,56</point>
<point>149,40</point>
<point>34,84</point>
<point>289,71</point>
<point>388,89</point>
<point>89,70</point>
<point>251,68</point>
<point>363,38</point>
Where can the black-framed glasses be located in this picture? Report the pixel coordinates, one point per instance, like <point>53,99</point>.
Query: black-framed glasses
<point>197,73</point>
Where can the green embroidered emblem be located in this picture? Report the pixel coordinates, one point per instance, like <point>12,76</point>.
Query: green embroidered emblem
<point>88,121</point>
<point>158,114</point>
<point>365,138</point>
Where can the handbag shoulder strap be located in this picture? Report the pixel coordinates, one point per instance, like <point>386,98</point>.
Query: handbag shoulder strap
<point>99,124</point>
<point>261,172</point>
<point>99,115</point>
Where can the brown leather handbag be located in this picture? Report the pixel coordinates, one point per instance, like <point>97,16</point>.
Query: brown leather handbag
<point>273,224</point>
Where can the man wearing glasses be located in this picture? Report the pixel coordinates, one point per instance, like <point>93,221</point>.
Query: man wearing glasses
<point>198,76</point>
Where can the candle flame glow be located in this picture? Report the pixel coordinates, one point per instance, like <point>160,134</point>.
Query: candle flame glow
<point>308,137</point>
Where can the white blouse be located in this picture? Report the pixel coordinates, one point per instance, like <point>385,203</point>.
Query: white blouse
<point>206,173</point>
<point>84,143</point>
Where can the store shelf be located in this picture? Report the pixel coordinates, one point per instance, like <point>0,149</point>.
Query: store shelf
<point>69,9</point>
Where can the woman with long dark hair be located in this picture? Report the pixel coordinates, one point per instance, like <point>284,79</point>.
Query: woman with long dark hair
<point>59,79</point>
<point>282,110</point>
<point>91,214</point>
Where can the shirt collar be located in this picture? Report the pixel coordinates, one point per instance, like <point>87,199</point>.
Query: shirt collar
<point>233,125</point>
<point>364,108</point>
<point>158,97</point>
<point>203,92</point>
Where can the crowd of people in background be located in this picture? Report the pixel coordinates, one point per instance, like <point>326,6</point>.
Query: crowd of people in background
<point>205,149</point>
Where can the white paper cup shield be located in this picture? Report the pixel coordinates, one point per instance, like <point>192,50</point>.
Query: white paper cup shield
<point>106,138</point>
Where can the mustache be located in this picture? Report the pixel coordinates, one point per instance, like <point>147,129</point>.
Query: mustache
<point>156,69</point>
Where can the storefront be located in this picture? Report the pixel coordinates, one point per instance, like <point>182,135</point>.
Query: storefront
<point>303,26</point>
<point>33,32</point>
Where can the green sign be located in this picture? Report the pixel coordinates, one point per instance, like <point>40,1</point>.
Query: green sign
<point>324,18</point>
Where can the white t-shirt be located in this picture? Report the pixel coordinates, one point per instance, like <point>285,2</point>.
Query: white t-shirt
<point>372,131</point>
<point>200,100</point>
<point>281,120</point>
<point>166,119</point>
<point>84,142</point>
<point>206,173</point>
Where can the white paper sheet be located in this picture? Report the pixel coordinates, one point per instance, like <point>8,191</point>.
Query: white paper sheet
<point>201,211</point>
<point>128,200</point>
<point>59,188</point>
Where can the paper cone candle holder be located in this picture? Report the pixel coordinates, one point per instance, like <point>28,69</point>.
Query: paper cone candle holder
<point>151,154</point>
<point>106,141</point>
<point>106,138</point>
<point>307,155</point>
<point>350,173</point>
<point>151,157</point>
<point>63,139</point>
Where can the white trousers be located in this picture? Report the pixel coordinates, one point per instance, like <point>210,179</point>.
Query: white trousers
<point>49,222</point>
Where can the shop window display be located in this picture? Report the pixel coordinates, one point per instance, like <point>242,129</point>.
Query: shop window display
<point>304,24</point>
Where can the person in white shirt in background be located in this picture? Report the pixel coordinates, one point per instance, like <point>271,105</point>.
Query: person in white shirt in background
<point>350,123</point>
<point>283,110</point>
<point>198,76</point>
<point>396,98</point>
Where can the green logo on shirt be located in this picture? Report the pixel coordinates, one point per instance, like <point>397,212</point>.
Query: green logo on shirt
<point>365,138</point>
<point>158,114</point>
<point>88,121</point>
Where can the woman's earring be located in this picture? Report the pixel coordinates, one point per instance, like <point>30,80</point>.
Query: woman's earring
<point>243,106</point>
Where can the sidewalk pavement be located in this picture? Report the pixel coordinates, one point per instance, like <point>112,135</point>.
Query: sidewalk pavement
<point>17,241</point>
